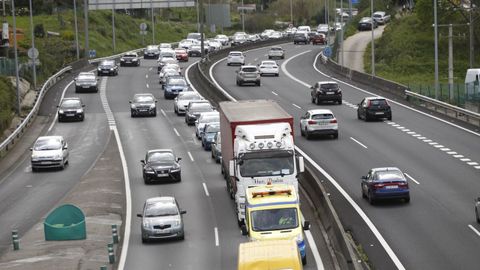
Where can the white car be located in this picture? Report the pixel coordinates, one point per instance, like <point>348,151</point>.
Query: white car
<point>186,43</point>
<point>214,45</point>
<point>253,38</point>
<point>276,34</point>
<point>203,119</point>
<point>165,61</point>
<point>222,39</point>
<point>167,73</point>
<point>235,58</point>
<point>165,46</point>
<point>181,101</point>
<point>269,67</point>
<point>276,52</point>
<point>49,152</point>
<point>319,122</point>
<point>266,33</point>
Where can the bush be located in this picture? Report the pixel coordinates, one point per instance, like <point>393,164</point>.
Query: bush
<point>68,35</point>
<point>39,31</point>
<point>7,101</point>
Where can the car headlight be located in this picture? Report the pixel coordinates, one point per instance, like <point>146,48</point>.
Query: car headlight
<point>146,224</point>
<point>99,68</point>
<point>175,169</point>
<point>111,69</point>
<point>134,60</point>
<point>34,157</point>
<point>152,106</point>
<point>80,111</point>
<point>133,106</point>
<point>60,111</point>
<point>149,170</point>
<point>122,60</point>
<point>58,156</point>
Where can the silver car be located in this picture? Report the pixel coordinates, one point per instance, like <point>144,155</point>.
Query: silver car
<point>205,118</point>
<point>276,52</point>
<point>248,74</point>
<point>162,219</point>
<point>49,152</point>
<point>86,81</point>
<point>181,101</point>
<point>235,58</point>
<point>318,122</point>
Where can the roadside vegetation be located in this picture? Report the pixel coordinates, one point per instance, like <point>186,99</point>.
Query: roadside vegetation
<point>7,103</point>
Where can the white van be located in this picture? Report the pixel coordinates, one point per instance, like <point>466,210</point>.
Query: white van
<point>304,28</point>
<point>472,81</point>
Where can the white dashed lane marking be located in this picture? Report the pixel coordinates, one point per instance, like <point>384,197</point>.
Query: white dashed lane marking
<point>274,93</point>
<point>359,143</point>
<point>411,178</point>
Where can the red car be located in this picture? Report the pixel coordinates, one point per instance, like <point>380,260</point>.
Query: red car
<point>181,54</point>
<point>318,39</point>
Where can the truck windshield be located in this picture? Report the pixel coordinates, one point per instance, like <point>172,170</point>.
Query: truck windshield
<point>267,163</point>
<point>274,219</point>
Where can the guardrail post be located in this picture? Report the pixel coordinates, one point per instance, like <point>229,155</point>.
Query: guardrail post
<point>114,234</point>
<point>15,241</point>
<point>111,255</point>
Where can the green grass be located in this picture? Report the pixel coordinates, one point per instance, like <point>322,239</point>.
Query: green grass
<point>7,103</point>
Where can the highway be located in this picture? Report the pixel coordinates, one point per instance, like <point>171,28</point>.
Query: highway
<point>437,229</point>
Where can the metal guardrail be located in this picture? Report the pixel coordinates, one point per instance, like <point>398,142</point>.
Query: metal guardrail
<point>448,109</point>
<point>33,112</point>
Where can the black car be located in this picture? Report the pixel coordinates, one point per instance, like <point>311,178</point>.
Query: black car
<point>326,91</point>
<point>130,59</point>
<point>143,104</point>
<point>194,110</point>
<point>71,109</point>
<point>374,108</point>
<point>366,24</point>
<point>161,164</point>
<point>86,81</point>
<point>300,38</point>
<point>107,67</point>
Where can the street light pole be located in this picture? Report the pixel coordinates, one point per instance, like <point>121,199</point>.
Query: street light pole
<point>291,11</point>
<point>373,39</point>
<point>341,31</point>
<point>243,17</point>
<point>113,27</point>
<point>34,58</point>
<point>85,8</point>
<point>198,16</point>
<point>153,22</point>
<point>76,28</point>
<point>16,56</point>
<point>471,35</point>
<point>435,33</point>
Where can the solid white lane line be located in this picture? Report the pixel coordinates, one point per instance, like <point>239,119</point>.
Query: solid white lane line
<point>411,178</point>
<point>474,230</point>
<point>206,190</point>
<point>176,132</point>
<point>191,157</point>
<point>313,247</point>
<point>217,242</point>
<point>284,69</point>
<point>274,93</point>
<point>56,114</point>
<point>361,144</point>
<point>296,106</point>
<point>163,112</point>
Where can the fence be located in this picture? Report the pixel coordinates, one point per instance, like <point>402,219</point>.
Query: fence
<point>458,97</point>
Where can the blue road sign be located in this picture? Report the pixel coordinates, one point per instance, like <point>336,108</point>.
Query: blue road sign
<point>92,53</point>
<point>327,51</point>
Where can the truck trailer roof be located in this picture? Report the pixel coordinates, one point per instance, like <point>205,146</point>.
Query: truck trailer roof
<point>253,111</point>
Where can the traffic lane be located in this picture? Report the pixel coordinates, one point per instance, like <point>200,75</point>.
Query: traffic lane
<point>399,146</point>
<point>27,197</point>
<point>468,146</point>
<point>141,134</point>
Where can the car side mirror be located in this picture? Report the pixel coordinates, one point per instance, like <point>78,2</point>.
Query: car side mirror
<point>156,101</point>
<point>182,212</point>
<point>142,161</point>
<point>312,87</point>
<point>478,199</point>
<point>139,215</point>
<point>83,105</point>
<point>65,147</point>
<point>129,101</point>
<point>179,158</point>
<point>31,149</point>
<point>363,178</point>
<point>243,228</point>
<point>306,225</point>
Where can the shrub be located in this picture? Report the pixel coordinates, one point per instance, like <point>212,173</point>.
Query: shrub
<point>39,31</point>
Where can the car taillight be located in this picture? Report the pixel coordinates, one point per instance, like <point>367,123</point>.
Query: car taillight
<point>368,103</point>
<point>311,122</point>
<point>377,186</point>
<point>388,104</point>
<point>334,121</point>
<point>403,185</point>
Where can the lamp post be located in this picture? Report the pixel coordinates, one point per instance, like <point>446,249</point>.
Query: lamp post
<point>243,17</point>
<point>291,11</point>
<point>85,8</point>
<point>435,33</point>
<point>373,38</point>
<point>153,22</point>
<point>34,58</point>
<point>76,28</point>
<point>16,56</point>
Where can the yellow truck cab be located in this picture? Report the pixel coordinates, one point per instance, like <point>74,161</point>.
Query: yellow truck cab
<point>269,254</point>
<point>273,212</point>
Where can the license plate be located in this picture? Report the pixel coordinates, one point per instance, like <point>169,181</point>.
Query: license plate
<point>86,86</point>
<point>105,71</point>
<point>379,113</point>
<point>162,174</point>
<point>143,110</point>
<point>391,187</point>
<point>330,93</point>
<point>70,114</point>
<point>46,162</point>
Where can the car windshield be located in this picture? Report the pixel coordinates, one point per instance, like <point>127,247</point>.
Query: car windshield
<point>143,99</point>
<point>194,36</point>
<point>161,210</point>
<point>209,119</point>
<point>189,96</point>
<point>299,35</point>
<point>47,144</point>
<point>107,64</point>
<point>212,129</point>
<point>86,78</point>
<point>377,102</point>
<point>201,108</point>
<point>388,175</point>
<point>268,63</point>
<point>181,82</point>
<point>377,15</point>
<point>267,163</point>
<point>276,49</point>
<point>322,116</point>
<point>71,104</point>
<point>329,86</point>
<point>235,54</point>
<point>161,156</point>
<point>152,48</point>
<point>129,55</point>
<point>249,69</point>
<point>274,219</point>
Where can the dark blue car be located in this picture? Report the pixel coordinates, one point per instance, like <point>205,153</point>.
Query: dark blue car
<point>208,135</point>
<point>385,183</point>
<point>175,85</point>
